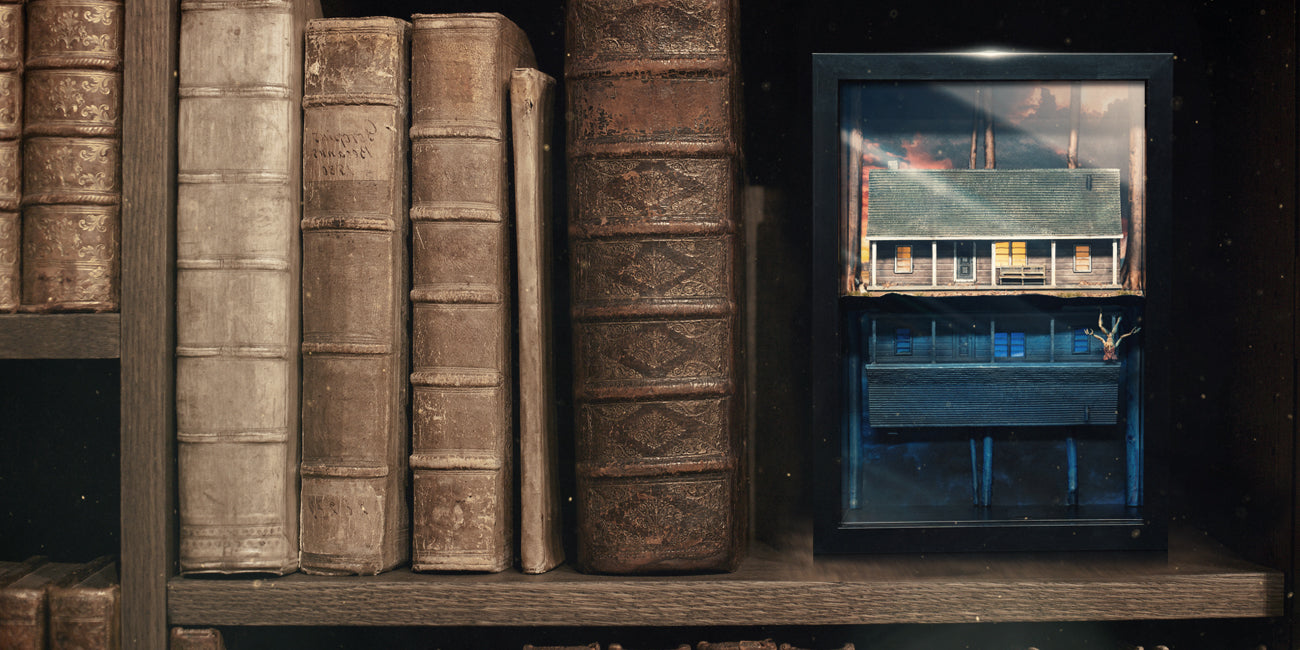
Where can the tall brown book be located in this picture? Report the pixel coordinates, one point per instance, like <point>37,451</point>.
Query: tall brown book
<point>462,429</point>
<point>355,358</point>
<point>237,284</point>
<point>11,171</point>
<point>72,189</point>
<point>532,101</point>
<point>653,152</point>
<point>85,614</point>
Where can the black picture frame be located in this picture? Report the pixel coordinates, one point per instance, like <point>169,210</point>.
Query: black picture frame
<point>836,305</point>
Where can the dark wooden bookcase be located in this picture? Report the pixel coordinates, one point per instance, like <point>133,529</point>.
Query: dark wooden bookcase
<point>1232,547</point>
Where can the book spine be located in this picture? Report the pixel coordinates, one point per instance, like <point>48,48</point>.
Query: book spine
<point>462,379</point>
<point>654,174</point>
<point>11,177</point>
<point>237,284</point>
<point>532,98</point>
<point>84,618</point>
<point>355,342</point>
<point>72,115</point>
<point>205,638</point>
<point>23,619</point>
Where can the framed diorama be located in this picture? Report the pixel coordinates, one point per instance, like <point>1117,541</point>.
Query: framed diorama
<point>989,300</point>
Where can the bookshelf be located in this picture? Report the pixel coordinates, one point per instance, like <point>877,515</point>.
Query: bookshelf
<point>1232,477</point>
<point>60,336</point>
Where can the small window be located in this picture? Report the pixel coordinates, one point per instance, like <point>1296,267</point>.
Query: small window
<point>903,259</point>
<point>903,342</point>
<point>1009,345</point>
<point>1009,253</point>
<point>1082,342</point>
<point>1083,259</point>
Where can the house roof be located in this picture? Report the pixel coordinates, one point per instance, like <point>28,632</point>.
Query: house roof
<point>984,203</point>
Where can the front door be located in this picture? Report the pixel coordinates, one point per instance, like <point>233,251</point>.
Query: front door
<point>965,260</point>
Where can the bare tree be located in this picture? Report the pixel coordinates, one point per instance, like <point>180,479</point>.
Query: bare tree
<point>1110,344</point>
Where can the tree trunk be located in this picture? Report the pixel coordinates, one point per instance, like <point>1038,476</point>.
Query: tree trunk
<point>1076,107</point>
<point>1135,276</point>
<point>988,128</point>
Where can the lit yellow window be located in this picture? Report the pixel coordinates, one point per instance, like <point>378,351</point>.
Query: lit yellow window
<point>1009,253</point>
<point>1083,259</point>
<point>903,259</point>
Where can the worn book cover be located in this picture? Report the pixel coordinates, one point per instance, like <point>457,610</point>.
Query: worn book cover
<point>654,168</point>
<point>85,614</point>
<point>11,178</point>
<point>25,603</point>
<point>355,437</point>
<point>72,189</point>
<point>532,101</point>
<point>237,284</point>
<point>462,284</point>
<point>196,638</point>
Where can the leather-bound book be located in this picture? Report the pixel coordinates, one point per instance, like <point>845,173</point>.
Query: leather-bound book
<point>11,170</point>
<point>196,638</point>
<point>355,369</point>
<point>237,284</point>
<point>25,603</point>
<point>85,614</point>
<point>532,101</point>
<point>654,170</point>
<point>462,375</point>
<point>72,187</point>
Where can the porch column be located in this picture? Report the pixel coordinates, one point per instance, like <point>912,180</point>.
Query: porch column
<point>1114,261</point>
<point>993,264</point>
<point>873,264</point>
<point>934,263</point>
<point>1053,262</point>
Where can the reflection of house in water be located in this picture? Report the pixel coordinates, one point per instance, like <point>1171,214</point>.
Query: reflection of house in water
<point>984,375</point>
<point>973,229</point>
<point>987,370</point>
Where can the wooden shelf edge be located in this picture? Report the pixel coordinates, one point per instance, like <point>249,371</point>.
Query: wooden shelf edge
<point>60,336</point>
<point>1196,580</point>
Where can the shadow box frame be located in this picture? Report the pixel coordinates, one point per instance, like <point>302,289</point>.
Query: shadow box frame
<point>1141,527</point>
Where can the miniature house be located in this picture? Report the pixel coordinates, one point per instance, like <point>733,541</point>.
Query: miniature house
<point>992,229</point>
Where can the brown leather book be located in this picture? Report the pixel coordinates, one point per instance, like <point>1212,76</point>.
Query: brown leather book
<point>532,101</point>
<point>85,614</point>
<point>11,170</point>
<point>237,283</point>
<point>355,344</point>
<point>200,638</point>
<point>24,601</point>
<point>462,379</point>
<point>654,244</point>
<point>72,187</point>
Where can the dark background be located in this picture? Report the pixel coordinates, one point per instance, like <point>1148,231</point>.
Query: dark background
<point>1233,392</point>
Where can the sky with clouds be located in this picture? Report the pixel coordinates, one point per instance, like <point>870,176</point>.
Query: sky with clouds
<point>927,125</point>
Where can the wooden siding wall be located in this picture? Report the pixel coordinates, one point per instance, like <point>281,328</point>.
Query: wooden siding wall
<point>1038,253</point>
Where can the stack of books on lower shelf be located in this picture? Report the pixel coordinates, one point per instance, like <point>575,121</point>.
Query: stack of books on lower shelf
<point>391,333</point>
<point>60,606</point>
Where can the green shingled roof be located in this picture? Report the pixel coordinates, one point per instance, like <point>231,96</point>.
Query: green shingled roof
<point>984,203</point>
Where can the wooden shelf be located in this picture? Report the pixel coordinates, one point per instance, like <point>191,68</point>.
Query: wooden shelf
<point>60,336</point>
<point>1197,579</point>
